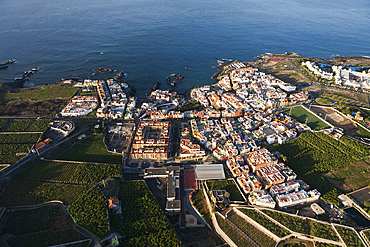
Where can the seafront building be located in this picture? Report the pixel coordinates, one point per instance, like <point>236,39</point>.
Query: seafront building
<point>341,76</point>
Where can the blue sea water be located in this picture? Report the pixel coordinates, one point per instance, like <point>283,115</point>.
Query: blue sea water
<point>152,39</point>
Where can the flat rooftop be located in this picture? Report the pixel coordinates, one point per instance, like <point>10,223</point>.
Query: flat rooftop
<point>190,182</point>
<point>211,171</point>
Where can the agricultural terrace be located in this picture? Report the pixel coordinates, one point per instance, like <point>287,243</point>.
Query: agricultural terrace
<point>2,122</point>
<point>250,230</point>
<point>367,234</point>
<point>310,156</point>
<point>304,225</point>
<point>44,226</point>
<point>142,223</point>
<point>317,245</point>
<point>27,125</point>
<point>20,193</point>
<point>302,115</point>
<point>92,149</point>
<point>237,237</point>
<point>41,93</point>
<point>69,172</point>
<point>349,236</point>
<point>13,147</point>
<point>90,211</point>
<point>265,222</point>
<point>228,185</point>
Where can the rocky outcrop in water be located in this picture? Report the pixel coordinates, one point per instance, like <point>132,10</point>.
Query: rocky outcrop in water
<point>156,85</point>
<point>120,75</point>
<point>102,71</point>
<point>177,76</point>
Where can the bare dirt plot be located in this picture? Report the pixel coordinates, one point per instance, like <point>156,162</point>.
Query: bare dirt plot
<point>360,97</point>
<point>361,196</point>
<point>336,119</point>
<point>350,178</point>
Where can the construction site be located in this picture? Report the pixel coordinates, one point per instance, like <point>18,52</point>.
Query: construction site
<point>119,137</point>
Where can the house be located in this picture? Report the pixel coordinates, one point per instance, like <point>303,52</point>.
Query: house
<point>112,203</point>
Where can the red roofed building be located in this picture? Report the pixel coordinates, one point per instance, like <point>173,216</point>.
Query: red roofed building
<point>39,145</point>
<point>112,203</point>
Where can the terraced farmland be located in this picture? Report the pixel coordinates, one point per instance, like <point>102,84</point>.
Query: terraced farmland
<point>69,172</point>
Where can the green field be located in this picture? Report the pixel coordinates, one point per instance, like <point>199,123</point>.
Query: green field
<point>144,223</point>
<point>199,202</point>
<point>323,101</point>
<point>44,226</point>
<point>302,115</point>
<point>20,193</point>
<point>91,149</point>
<point>69,172</point>
<point>27,125</point>
<point>40,93</point>
<point>227,184</point>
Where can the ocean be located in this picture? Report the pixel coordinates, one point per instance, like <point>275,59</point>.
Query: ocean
<point>150,39</point>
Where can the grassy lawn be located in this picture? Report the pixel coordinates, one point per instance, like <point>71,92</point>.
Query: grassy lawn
<point>363,132</point>
<point>43,92</point>
<point>91,149</point>
<point>228,185</point>
<point>20,193</point>
<point>200,204</point>
<point>2,167</point>
<point>301,114</point>
<point>323,101</point>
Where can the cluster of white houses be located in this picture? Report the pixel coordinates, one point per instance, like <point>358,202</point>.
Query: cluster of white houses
<point>79,106</point>
<point>267,182</point>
